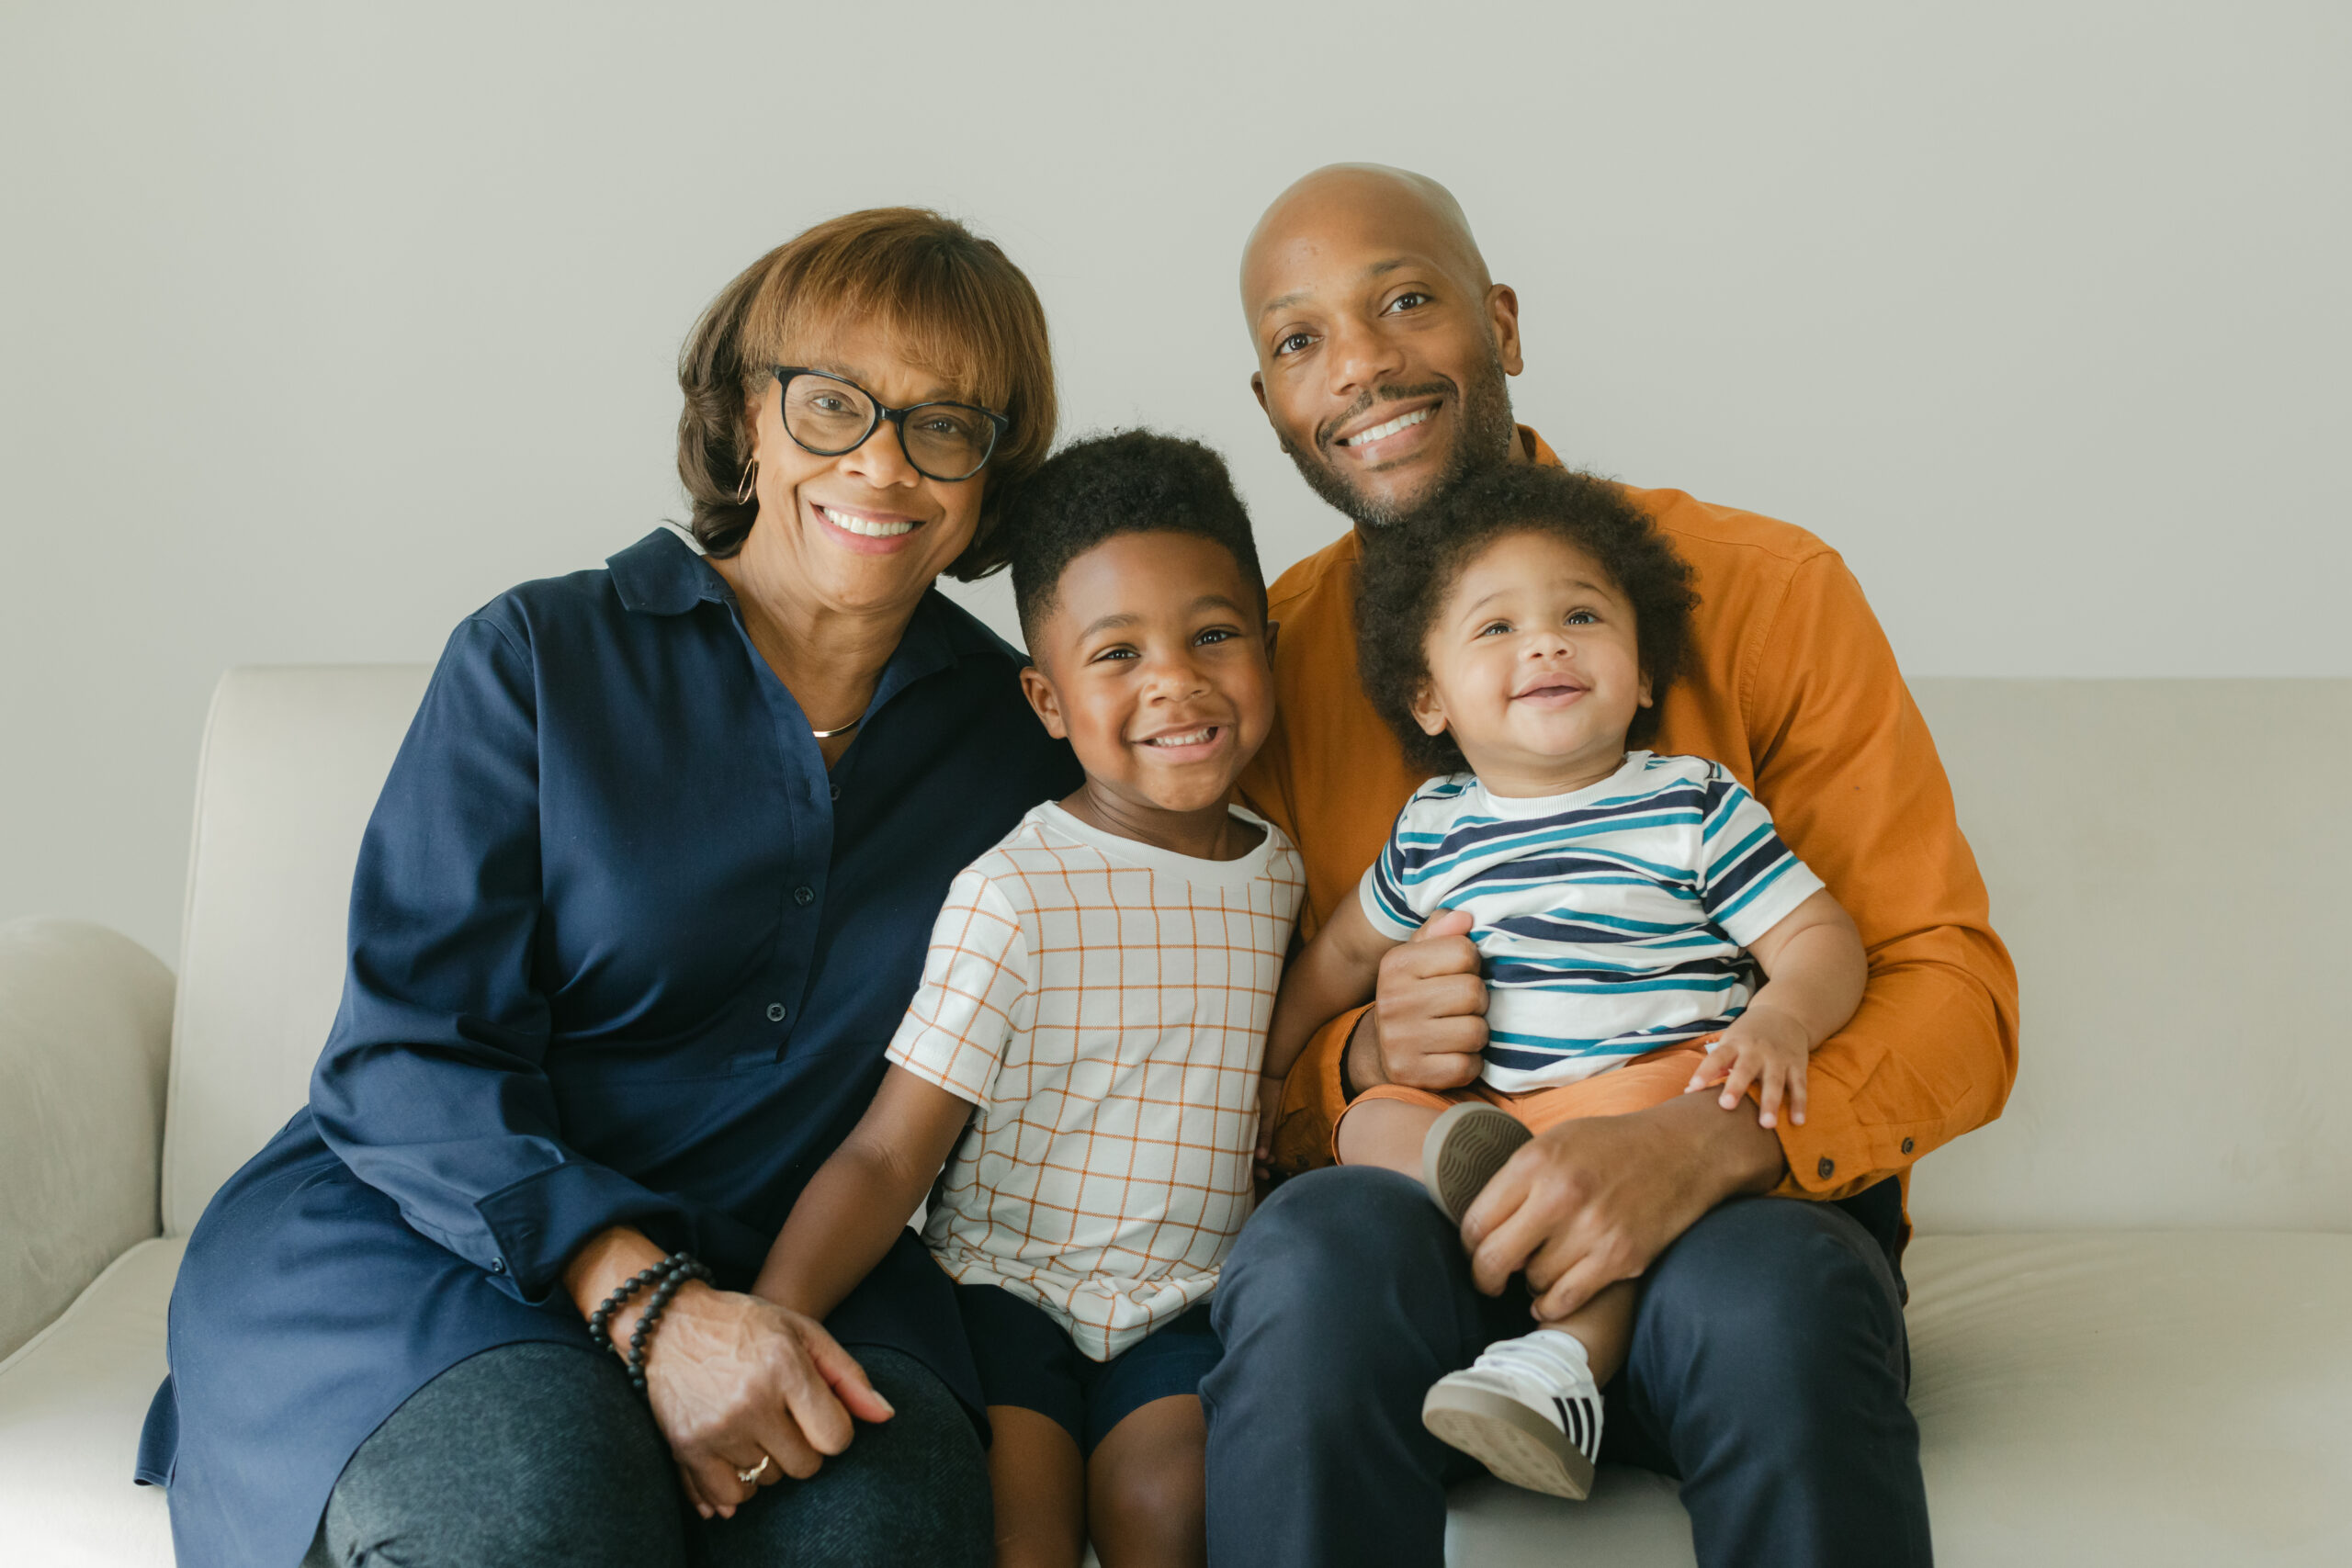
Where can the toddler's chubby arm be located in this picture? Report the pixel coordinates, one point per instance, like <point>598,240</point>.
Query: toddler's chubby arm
<point>1814,969</point>
<point>860,1199</point>
<point>1338,970</point>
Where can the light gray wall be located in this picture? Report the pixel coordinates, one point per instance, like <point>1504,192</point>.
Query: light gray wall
<point>320,325</point>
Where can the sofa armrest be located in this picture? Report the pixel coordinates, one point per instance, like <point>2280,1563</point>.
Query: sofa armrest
<point>86,1030</point>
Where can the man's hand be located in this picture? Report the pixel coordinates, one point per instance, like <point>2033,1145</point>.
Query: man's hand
<point>1428,1020</point>
<point>1593,1202</point>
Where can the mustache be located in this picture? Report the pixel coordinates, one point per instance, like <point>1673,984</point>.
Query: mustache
<point>1329,427</point>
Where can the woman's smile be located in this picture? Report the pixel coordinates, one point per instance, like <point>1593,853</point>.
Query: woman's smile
<point>866,531</point>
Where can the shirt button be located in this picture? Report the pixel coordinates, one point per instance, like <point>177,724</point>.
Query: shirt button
<point>804,895</point>
<point>1906,1145</point>
<point>1826,1167</point>
<point>776,1012</point>
<point>498,1266</point>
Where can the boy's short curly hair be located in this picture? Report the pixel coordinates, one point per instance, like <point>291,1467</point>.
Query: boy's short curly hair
<point>1131,481</point>
<point>1408,572</point>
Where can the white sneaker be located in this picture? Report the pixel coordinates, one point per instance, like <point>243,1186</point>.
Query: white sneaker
<point>1528,1410</point>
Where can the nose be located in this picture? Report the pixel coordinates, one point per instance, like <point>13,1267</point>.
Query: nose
<point>1173,676</point>
<point>1362,357</point>
<point>881,459</point>
<point>1545,642</point>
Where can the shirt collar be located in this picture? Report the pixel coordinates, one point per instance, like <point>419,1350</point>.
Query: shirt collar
<point>660,575</point>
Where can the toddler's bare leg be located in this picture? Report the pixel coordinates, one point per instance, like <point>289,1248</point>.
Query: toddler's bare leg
<point>1387,1132</point>
<point>1605,1326</point>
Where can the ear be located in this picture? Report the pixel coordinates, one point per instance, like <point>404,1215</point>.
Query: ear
<point>1502,318</point>
<point>1258,390</point>
<point>1044,701</point>
<point>1428,712</point>
<point>1273,629</point>
<point>1645,689</point>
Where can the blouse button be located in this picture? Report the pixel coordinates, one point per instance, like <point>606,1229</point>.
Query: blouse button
<point>804,895</point>
<point>837,791</point>
<point>1826,1167</point>
<point>776,1012</point>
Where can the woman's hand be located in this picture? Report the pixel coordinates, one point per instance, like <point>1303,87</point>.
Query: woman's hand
<point>735,1381</point>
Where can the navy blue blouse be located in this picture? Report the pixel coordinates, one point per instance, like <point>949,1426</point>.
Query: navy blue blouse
<point>622,953</point>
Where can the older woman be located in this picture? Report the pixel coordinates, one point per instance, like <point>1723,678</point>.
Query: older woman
<point>645,894</point>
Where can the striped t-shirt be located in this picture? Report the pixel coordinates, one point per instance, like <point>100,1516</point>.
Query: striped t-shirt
<point>1612,920</point>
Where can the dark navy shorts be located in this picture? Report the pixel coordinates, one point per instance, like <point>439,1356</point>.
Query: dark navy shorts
<point>1027,1361</point>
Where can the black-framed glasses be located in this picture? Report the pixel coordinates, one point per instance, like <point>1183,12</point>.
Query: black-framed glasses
<point>829,416</point>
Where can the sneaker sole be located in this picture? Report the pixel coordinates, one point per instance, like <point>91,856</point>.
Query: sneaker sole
<point>1463,1148</point>
<point>1513,1441</point>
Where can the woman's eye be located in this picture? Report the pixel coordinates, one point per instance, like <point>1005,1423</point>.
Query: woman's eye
<point>1294,343</point>
<point>1407,301</point>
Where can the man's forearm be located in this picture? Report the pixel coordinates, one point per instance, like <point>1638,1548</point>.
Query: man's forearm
<point>1730,1154</point>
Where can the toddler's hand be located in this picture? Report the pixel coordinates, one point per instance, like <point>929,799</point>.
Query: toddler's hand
<point>1269,1111</point>
<point>1765,1048</point>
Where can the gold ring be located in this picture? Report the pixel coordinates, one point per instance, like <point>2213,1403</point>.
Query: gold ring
<point>748,1476</point>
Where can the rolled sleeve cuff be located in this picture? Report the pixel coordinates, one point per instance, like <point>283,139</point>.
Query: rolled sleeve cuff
<point>537,1223</point>
<point>1313,1097</point>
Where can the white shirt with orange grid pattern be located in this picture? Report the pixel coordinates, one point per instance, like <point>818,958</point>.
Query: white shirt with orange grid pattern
<point>1105,1004</point>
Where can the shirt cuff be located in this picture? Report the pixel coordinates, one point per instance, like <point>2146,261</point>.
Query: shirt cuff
<point>537,1223</point>
<point>1313,1097</point>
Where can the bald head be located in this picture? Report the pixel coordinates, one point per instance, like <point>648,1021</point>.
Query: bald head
<point>1352,204</point>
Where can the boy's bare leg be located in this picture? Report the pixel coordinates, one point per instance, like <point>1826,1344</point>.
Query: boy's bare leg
<point>1040,1490</point>
<point>1147,1495</point>
<point>1386,1133</point>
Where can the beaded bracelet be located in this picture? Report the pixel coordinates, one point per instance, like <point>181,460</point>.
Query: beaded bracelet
<point>676,1270</point>
<point>599,1319</point>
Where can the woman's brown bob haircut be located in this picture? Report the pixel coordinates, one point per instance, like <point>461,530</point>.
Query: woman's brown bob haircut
<point>946,299</point>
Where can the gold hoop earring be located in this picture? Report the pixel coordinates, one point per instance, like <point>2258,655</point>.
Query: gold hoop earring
<point>743,491</point>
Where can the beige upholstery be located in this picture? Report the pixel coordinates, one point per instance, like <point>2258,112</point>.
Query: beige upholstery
<point>2132,1361</point>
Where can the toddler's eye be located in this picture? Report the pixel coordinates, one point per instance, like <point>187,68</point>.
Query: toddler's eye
<point>1493,628</point>
<point>1583,618</point>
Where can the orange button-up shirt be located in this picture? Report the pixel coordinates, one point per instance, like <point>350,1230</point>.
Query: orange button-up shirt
<point>1791,686</point>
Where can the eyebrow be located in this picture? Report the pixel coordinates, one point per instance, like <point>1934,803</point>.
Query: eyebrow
<point>841,372</point>
<point>1127,618</point>
<point>1592,588</point>
<point>1377,269</point>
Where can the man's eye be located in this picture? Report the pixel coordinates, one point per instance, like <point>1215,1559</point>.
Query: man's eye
<point>1406,301</point>
<point>1294,343</point>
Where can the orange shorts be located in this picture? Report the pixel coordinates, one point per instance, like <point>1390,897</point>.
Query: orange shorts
<point>1640,1083</point>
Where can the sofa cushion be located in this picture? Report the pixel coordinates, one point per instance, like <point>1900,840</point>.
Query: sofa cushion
<point>71,1406</point>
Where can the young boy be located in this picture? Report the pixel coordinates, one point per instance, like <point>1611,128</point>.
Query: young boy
<point>1517,638</point>
<point>1094,1009</point>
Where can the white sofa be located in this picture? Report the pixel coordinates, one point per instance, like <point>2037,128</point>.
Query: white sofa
<point>2129,1295</point>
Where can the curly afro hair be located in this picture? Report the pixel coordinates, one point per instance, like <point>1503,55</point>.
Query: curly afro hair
<point>1408,572</point>
<point>1131,481</point>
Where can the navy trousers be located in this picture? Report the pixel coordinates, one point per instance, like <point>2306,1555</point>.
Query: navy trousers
<point>1768,1374</point>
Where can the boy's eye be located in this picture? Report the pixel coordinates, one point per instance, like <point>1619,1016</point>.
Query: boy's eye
<point>1215,634</point>
<point>1119,650</point>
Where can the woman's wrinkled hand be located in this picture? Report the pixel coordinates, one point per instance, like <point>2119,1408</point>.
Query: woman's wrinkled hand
<point>736,1380</point>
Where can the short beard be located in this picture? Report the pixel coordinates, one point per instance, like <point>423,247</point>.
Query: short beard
<point>1488,432</point>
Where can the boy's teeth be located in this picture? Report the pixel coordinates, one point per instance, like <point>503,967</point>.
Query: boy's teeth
<point>1383,432</point>
<point>850,523</point>
<point>1193,738</point>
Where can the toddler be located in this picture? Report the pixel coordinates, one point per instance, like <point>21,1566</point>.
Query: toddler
<point>1642,929</point>
<point>1087,1037</point>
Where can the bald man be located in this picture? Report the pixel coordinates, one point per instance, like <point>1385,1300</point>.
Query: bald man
<point>1769,1370</point>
